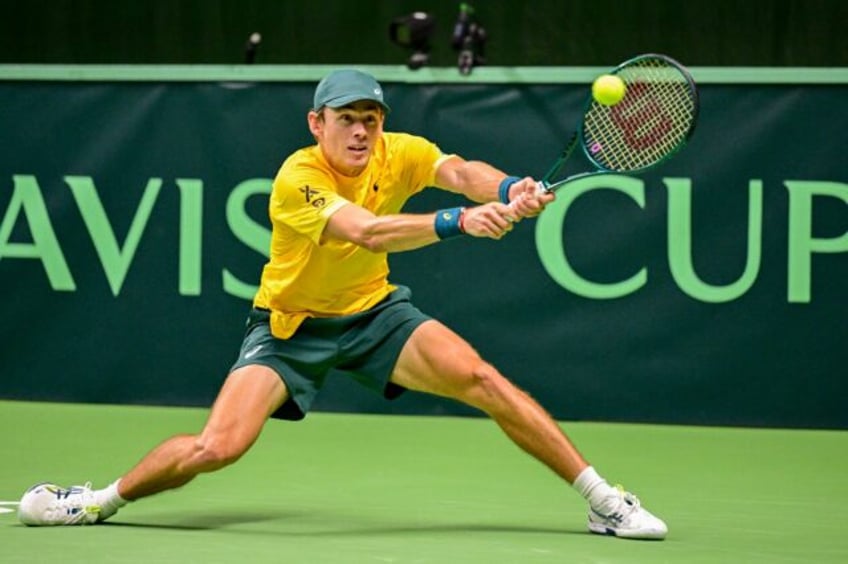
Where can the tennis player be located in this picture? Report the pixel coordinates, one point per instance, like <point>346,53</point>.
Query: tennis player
<point>325,302</point>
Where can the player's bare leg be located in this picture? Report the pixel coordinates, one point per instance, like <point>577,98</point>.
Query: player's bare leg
<point>438,361</point>
<point>248,396</point>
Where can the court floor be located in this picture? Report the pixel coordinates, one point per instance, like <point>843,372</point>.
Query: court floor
<point>393,489</point>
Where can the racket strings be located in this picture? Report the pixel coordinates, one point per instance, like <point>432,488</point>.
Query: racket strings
<point>653,119</point>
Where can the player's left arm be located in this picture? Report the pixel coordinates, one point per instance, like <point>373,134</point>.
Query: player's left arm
<point>481,182</point>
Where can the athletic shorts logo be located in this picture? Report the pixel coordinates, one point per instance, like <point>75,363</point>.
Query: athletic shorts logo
<point>252,352</point>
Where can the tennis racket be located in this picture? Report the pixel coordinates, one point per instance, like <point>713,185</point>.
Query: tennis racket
<point>652,122</point>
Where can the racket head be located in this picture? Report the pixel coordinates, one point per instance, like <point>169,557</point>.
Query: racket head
<point>653,121</point>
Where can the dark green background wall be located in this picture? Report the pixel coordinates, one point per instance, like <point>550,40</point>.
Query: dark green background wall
<point>525,32</point>
<point>151,318</point>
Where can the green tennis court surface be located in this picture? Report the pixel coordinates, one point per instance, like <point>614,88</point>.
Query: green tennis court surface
<point>392,489</point>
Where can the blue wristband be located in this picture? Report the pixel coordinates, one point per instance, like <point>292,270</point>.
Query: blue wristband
<point>503,189</point>
<point>448,223</point>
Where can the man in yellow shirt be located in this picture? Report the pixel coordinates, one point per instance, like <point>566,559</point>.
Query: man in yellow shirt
<point>325,302</point>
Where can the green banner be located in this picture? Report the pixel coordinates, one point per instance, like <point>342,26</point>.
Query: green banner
<point>133,228</point>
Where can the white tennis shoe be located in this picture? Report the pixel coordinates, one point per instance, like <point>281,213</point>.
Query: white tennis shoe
<point>48,504</point>
<point>626,518</point>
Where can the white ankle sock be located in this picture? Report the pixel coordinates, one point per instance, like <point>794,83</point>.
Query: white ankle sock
<point>110,500</point>
<point>593,488</point>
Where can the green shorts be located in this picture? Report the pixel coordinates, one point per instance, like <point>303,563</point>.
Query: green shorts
<point>364,346</point>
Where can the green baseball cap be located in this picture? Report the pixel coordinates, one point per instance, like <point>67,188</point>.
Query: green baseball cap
<point>343,87</point>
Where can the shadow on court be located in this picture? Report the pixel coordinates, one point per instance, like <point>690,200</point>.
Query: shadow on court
<point>201,522</point>
<point>305,525</point>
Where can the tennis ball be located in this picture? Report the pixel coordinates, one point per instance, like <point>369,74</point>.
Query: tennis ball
<point>608,90</point>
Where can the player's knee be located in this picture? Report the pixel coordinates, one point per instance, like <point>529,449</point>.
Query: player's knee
<point>213,453</point>
<point>488,389</point>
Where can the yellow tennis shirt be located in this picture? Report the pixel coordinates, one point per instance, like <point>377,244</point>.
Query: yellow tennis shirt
<point>305,277</point>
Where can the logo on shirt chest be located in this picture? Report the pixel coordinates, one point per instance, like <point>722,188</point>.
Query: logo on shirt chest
<point>313,197</point>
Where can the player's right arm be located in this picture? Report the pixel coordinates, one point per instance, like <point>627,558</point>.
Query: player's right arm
<point>403,232</point>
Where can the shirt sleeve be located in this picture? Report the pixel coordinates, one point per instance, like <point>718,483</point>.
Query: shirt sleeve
<point>304,203</point>
<point>425,158</point>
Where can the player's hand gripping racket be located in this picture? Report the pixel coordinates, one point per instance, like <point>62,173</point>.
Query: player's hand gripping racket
<point>651,123</point>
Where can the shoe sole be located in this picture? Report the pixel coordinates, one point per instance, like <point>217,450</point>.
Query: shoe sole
<point>600,529</point>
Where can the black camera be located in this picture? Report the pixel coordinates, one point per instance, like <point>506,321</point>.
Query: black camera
<point>414,31</point>
<point>469,38</point>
